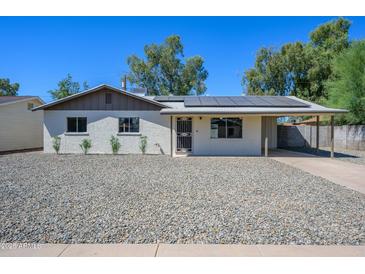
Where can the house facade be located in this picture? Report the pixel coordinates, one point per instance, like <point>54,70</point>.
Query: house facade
<point>173,125</point>
<point>20,128</point>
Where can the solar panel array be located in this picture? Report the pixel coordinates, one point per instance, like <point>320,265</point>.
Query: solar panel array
<point>233,101</point>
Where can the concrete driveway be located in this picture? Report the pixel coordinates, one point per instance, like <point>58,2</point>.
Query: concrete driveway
<point>343,173</point>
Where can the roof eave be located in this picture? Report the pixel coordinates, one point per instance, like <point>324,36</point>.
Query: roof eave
<point>23,100</point>
<point>276,112</point>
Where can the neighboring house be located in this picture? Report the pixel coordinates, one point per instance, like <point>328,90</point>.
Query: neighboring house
<point>174,125</point>
<point>20,128</point>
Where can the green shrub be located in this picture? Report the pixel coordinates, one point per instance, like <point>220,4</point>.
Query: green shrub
<point>56,141</point>
<point>347,88</point>
<point>143,144</point>
<point>114,141</point>
<point>85,145</point>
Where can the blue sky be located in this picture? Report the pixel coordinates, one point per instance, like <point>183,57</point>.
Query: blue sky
<point>37,52</point>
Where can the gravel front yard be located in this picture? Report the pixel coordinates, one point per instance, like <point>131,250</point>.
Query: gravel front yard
<point>149,199</point>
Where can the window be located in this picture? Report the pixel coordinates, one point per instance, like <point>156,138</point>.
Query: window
<point>225,128</point>
<point>108,98</point>
<point>76,124</point>
<point>30,106</point>
<point>129,124</point>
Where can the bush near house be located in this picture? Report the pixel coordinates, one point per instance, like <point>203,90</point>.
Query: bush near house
<point>143,144</point>
<point>56,143</point>
<point>114,142</point>
<point>85,145</point>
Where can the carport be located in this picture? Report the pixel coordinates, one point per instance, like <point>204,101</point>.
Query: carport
<point>270,135</point>
<point>234,125</point>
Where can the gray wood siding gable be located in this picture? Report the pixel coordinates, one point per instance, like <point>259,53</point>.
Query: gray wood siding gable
<point>96,101</point>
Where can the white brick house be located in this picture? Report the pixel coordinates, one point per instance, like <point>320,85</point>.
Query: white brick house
<point>173,125</point>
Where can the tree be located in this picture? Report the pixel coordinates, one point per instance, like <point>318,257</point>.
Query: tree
<point>268,76</point>
<point>67,87</point>
<point>164,73</point>
<point>332,36</point>
<point>7,89</point>
<point>326,42</point>
<point>346,88</point>
<point>299,69</point>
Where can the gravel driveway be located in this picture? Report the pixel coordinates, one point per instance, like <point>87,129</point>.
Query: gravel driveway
<point>149,199</point>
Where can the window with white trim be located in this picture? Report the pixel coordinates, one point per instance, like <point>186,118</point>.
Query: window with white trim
<point>76,124</point>
<point>226,128</point>
<point>128,124</point>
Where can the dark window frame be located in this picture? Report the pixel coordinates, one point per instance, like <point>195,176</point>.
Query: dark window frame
<point>131,128</point>
<point>78,125</point>
<point>225,134</point>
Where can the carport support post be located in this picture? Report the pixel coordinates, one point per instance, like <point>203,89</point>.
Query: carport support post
<point>332,137</point>
<point>266,145</point>
<point>317,134</point>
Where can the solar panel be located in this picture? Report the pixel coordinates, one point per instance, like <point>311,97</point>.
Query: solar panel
<point>287,101</point>
<point>290,102</point>
<point>257,101</point>
<point>241,101</point>
<point>192,101</point>
<point>208,101</point>
<point>225,102</point>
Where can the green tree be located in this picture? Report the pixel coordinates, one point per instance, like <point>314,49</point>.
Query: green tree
<point>67,87</point>
<point>268,75</point>
<point>299,69</point>
<point>164,73</point>
<point>7,89</point>
<point>346,88</point>
<point>332,36</point>
<point>326,42</point>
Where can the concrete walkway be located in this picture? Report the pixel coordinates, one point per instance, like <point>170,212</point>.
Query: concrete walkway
<point>178,250</point>
<point>343,173</point>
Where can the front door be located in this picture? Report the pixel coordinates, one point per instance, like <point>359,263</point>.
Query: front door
<point>184,134</point>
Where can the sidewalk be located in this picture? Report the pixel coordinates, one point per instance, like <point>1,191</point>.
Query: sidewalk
<point>179,250</point>
<point>339,172</point>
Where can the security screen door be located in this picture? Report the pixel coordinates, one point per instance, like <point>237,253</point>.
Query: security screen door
<point>184,134</point>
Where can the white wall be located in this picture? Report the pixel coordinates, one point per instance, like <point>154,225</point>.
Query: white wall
<point>20,128</point>
<point>103,124</point>
<point>250,144</point>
